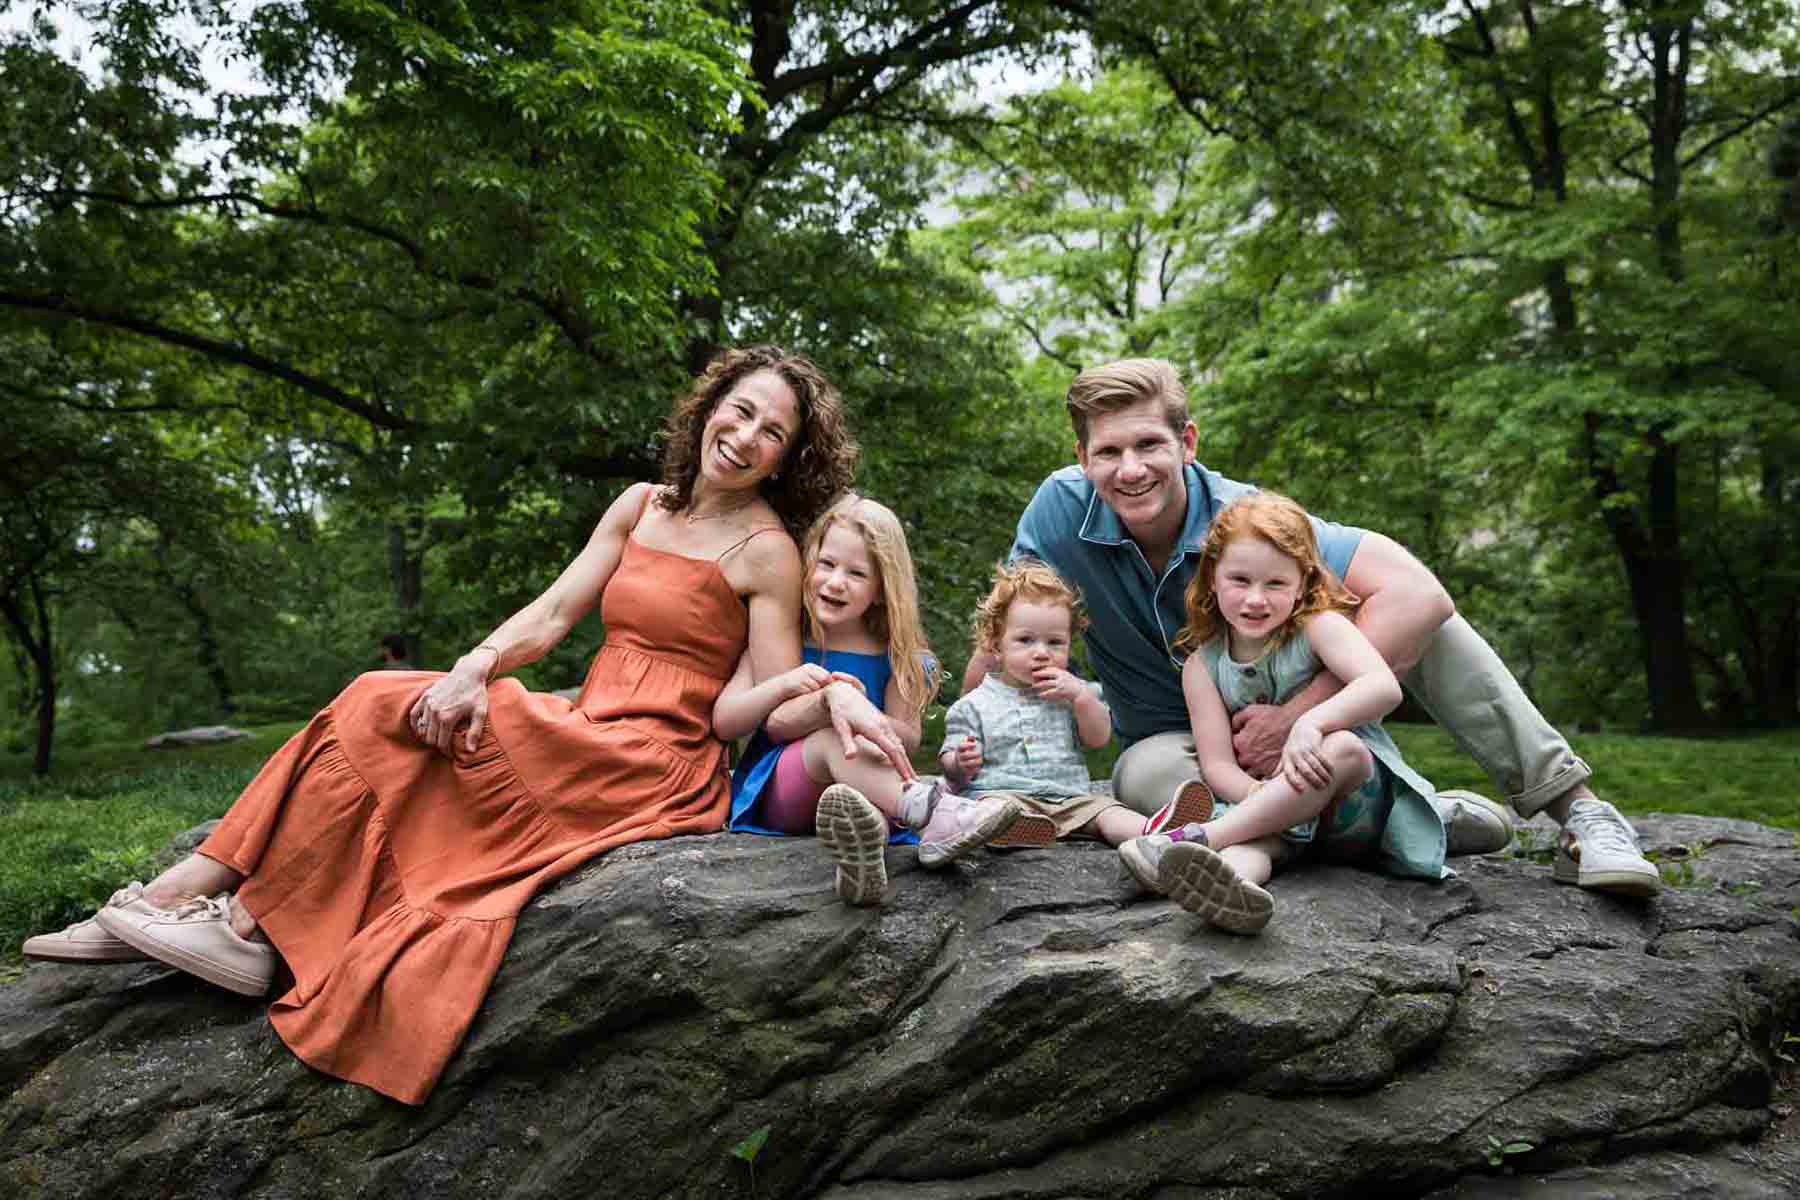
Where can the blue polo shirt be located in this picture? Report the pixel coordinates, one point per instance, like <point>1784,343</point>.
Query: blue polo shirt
<point>1134,615</point>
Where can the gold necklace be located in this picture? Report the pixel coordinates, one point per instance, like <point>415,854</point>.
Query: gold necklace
<point>694,518</point>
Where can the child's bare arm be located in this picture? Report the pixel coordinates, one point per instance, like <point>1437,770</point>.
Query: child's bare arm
<point>1370,690</point>
<point>1093,720</point>
<point>744,705</point>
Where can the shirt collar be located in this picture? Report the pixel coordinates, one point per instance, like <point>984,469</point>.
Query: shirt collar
<point>1103,527</point>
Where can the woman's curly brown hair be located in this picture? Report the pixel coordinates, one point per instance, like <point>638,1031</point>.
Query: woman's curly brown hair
<point>820,460</point>
<point>1283,524</point>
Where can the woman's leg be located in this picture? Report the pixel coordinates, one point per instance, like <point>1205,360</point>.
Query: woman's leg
<point>198,875</point>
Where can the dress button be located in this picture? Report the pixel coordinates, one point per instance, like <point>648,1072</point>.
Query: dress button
<point>1260,699</point>
<point>1249,671</point>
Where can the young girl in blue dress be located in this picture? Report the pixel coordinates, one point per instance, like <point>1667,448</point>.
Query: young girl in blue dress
<point>803,771</point>
<point>1265,615</point>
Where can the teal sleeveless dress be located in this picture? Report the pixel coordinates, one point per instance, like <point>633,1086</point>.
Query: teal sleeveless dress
<point>1390,818</point>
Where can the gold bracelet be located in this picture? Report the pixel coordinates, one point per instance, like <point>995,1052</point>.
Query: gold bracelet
<point>489,673</point>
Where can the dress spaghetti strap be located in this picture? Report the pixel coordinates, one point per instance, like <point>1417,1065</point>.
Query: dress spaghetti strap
<point>643,506</point>
<point>741,541</point>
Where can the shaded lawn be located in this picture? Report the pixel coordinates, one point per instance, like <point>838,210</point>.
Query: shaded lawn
<point>105,812</point>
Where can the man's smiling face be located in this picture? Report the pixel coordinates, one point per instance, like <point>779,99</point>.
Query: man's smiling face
<point>1134,460</point>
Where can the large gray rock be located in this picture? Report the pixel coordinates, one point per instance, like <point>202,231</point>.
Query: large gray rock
<point>1021,1026</point>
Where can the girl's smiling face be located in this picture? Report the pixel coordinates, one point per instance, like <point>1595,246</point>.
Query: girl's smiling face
<point>1256,586</point>
<point>844,583</point>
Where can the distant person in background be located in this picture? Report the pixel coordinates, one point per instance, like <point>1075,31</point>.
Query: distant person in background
<point>393,653</point>
<point>385,852</point>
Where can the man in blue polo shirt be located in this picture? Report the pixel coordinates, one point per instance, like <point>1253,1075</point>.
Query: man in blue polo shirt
<point>1125,527</point>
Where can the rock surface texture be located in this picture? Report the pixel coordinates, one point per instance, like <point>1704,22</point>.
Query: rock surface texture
<point>1021,1026</point>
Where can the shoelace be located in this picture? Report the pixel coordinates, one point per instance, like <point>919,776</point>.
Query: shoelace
<point>1593,824</point>
<point>210,908</point>
<point>126,894</point>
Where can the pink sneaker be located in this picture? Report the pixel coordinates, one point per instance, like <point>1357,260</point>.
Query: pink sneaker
<point>977,823</point>
<point>85,941</point>
<point>197,938</point>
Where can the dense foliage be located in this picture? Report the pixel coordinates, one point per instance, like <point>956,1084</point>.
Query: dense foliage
<point>337,317</point>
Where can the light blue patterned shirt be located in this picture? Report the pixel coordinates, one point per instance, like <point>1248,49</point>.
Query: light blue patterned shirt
<point>1027,745</point>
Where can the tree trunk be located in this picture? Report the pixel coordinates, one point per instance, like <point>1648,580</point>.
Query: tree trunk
<point>37,646</point>
<point>406,574</point>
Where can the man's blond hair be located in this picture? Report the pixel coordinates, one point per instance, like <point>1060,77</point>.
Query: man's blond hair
<point>1113,386</point>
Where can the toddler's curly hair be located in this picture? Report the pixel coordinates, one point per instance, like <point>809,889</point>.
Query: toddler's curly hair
<point>1026,579</point>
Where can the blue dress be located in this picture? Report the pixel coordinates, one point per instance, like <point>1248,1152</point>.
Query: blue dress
<point>1393,807</point>
<point>757,766</point>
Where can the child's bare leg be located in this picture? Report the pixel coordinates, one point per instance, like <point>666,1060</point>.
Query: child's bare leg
<point>1253,861</point>
<point>1276,805</point>
<point>1117,825</point>
<point>823,754</point>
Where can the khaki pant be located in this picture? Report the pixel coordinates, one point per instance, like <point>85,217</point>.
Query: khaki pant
<point>1467,690</point>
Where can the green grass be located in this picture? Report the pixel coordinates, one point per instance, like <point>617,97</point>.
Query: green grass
<point>105,812</point>
<point>101,818</point>
<point>1751,776</point>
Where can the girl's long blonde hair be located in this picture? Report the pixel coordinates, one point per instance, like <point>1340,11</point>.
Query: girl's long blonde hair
<point>1283,524</point>
<point>894,617</point>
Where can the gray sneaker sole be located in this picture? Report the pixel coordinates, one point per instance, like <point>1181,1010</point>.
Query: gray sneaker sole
<point>854,834</point>
<point>1195,877</point>
<point>181,958</point>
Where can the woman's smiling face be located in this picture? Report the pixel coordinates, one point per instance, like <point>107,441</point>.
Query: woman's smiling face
<point>747,436</point>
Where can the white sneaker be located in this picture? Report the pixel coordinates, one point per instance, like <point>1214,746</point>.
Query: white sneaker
<point>1598,849</point>
<point>1473,824</point>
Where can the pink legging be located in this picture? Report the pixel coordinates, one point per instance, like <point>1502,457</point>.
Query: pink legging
<point>790,799</point>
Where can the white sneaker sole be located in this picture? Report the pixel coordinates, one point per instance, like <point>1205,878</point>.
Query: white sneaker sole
<point>855,834</point>
<point>1616,881</point>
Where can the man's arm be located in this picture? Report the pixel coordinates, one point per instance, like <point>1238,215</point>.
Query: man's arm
<point>1403,604</point>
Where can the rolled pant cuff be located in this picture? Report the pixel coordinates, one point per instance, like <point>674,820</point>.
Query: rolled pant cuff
<point>1532,801</point>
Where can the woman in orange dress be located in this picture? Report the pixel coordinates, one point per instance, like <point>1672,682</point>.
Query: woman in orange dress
<point>386,851</point>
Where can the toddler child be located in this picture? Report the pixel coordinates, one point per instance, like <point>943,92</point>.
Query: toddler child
<point>1020,734</point>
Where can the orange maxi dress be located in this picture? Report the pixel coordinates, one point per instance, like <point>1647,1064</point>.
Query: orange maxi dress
<point>390,877</point>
